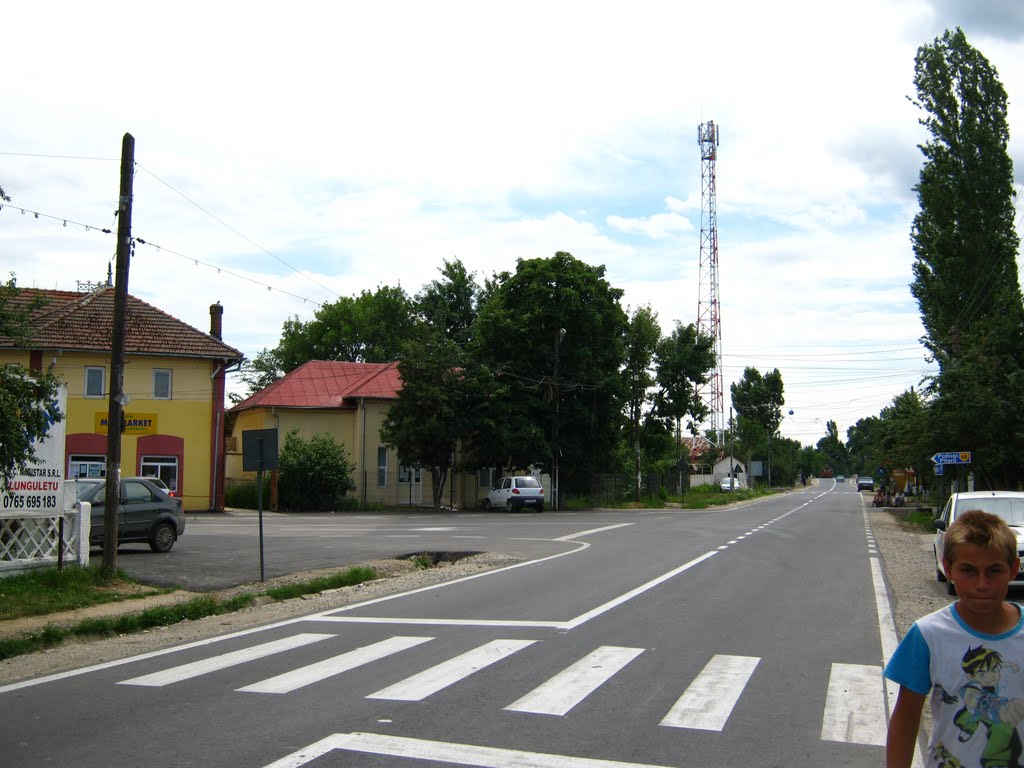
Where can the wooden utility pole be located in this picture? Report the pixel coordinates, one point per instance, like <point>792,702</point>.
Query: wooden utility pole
<point>116,389</point>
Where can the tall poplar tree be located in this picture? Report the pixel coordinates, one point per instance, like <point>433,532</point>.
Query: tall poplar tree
<point>965,272</point>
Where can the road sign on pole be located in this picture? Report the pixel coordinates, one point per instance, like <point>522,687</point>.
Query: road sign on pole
<point>952,457</point>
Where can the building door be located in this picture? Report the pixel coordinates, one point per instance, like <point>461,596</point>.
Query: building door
<point>410,486</point>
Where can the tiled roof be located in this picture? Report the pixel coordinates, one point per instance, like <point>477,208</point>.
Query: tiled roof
<point>84,322</point>
<point>328,384</point>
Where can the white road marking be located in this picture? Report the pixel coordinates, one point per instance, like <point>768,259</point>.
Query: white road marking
<point>573,684</point>
<point>855,705</point>
<point>443,752</point>
<point>321,670</point>
<point>585,617</point>
<point>710,698</point>
<point>224,660</point>
<point>430,681</point>
<point>445,622</point>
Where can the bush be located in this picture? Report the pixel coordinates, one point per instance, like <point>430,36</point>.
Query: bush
<point>314,474</point>
<point>242,494</point>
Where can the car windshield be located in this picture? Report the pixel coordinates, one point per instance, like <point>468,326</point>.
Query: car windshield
<point>84,489</point>
<point>527,482</point>
<point>1011,510</point>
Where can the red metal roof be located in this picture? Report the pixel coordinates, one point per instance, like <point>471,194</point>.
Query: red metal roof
<point>84,322</point>
<point>328,384</point>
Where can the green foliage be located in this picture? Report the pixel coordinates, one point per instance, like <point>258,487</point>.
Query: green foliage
<point>965,271</point>
<point>28,400</point>
<point>448,306</point>
<point>445,401</point>
<point>314,474</point>
<point>243,494</point>
<point>346,578</point>
<point>48,590</point>
<point>834,449</point>
<point>684,362</point>
<point>580,389</point>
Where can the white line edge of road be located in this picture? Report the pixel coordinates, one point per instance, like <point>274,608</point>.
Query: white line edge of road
<point>311,617</point>
<point>887,632</point>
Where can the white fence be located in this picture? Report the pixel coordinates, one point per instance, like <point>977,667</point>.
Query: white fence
<point>34,540</point>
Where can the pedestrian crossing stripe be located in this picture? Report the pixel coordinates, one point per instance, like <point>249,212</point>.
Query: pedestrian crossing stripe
<point>854,710</point>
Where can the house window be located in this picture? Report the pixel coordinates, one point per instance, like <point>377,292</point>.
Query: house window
<point>95,381</point>
<point>164,467</point>
<point>87,466</point>
<point>161,384</point>
<point>487,477</point>
<point>407,474</point>
<point>382,466</point>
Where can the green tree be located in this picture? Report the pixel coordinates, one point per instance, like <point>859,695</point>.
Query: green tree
<point>833,448</point>
<point>965,270</point>
<point>904,439</point>
<point>449,305</point>
<point>28,399</point>
<point>642,336</point>
<point>368,328</point>
<point>445,402</point>
<point>315,474</point>
<point>554,333</point>
<point>758,401</point>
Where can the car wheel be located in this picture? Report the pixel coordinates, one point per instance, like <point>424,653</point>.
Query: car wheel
<point>162,538</point>
<point>487,505</point>
<point>509,506</point>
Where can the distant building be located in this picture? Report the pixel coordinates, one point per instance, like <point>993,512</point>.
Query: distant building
<point>174,377</point>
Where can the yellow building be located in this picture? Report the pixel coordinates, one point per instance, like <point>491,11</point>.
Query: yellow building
<point>174,379</point>
<point>349,402</point>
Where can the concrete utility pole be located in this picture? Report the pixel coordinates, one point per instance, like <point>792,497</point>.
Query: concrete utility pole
<point>117,395</point>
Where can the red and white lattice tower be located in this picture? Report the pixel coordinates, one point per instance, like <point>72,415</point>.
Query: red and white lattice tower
<point>709,319</point>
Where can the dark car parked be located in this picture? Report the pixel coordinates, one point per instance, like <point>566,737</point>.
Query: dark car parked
<point>147,514</point>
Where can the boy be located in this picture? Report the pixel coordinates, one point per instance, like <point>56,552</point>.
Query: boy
<point>967,656</point>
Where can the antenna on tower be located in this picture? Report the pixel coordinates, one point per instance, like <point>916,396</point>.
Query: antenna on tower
<point>709,320</point>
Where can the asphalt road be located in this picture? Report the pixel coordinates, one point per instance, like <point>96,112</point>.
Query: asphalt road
<point>732,637</point>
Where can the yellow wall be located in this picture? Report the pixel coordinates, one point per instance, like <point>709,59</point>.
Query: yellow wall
<point>186,415</point>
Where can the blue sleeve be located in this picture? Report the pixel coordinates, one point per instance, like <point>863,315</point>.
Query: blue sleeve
<point>910,665</point>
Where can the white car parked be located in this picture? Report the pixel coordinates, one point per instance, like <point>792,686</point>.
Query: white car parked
<point>516,493</point>
<point>1008,505</point>
<point>731,484</point>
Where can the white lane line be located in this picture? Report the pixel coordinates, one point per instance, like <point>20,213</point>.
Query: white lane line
<point>855,705</point>
<point>224,660</point>
<point>709,700</point>
<point>573,684</point>
<point>445,622</point>
<point>585,617</point>
<point>572,536</point>
<point>430,681</point>
<point>443,752</point>
<point>321,670</point>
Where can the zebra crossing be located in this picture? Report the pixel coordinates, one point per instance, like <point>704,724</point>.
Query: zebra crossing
<point>854,702</point>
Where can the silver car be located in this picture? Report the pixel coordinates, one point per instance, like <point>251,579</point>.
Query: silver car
<point>516,493</point>
<point>1008,505</point>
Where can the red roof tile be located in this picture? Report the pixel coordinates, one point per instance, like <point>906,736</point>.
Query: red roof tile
<point>328,384</point>
<point>84,322</point>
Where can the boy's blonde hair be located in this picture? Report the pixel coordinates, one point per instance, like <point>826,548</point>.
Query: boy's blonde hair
<point>981,529</point>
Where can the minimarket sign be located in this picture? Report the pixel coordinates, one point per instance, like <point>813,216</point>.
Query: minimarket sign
<point>134,423</point>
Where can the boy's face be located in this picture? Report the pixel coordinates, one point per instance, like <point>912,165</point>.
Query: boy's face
<point>982,576</point>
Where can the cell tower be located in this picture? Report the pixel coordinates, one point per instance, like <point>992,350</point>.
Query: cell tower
<point>709,320</point>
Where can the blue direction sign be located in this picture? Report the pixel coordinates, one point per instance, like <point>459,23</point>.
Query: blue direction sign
<point>952,457</point>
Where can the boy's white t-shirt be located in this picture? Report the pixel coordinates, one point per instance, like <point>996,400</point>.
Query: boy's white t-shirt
<point>976,687</point>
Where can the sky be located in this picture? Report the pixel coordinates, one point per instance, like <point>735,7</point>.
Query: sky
<point>289,156</point>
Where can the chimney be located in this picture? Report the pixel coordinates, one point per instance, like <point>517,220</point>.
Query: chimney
<point>216,318</point>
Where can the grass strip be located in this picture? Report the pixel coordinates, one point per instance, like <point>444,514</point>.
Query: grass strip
<point>43,591</point>
<point>163,616</point>
<point>351,577</point>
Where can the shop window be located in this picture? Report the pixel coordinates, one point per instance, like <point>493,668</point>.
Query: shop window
<point>164,467</point>
<point>90,466</point>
